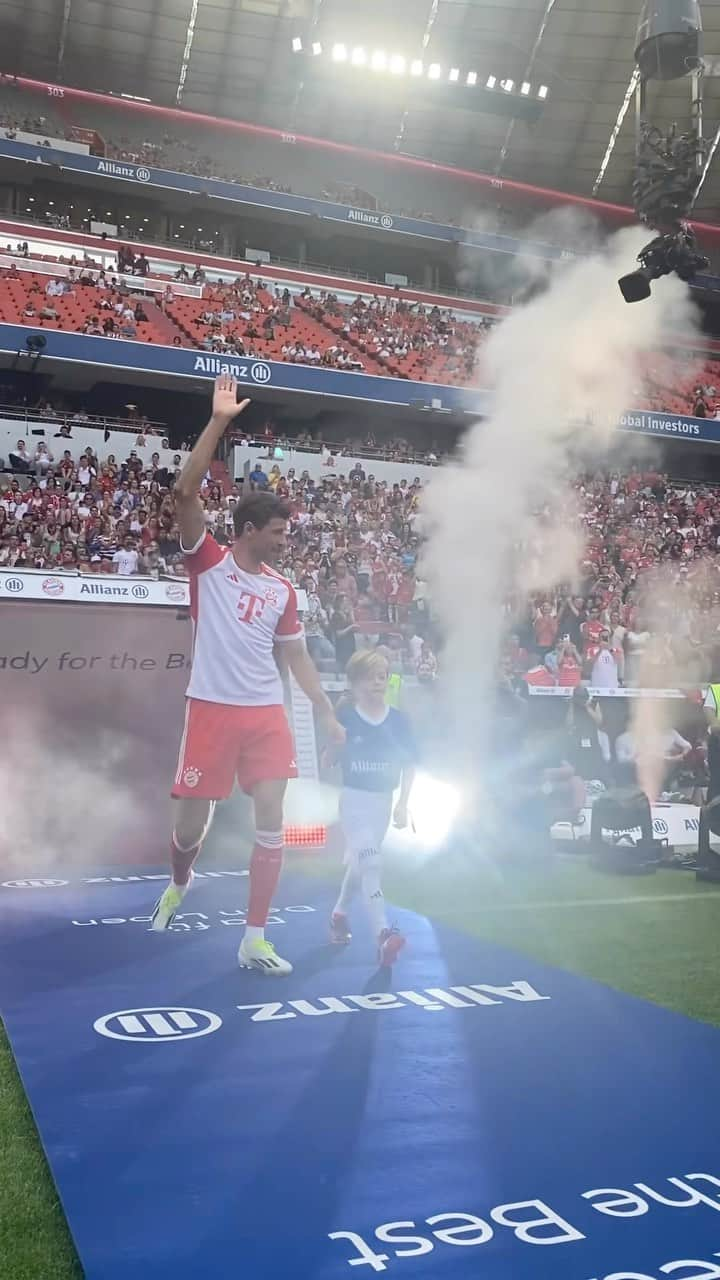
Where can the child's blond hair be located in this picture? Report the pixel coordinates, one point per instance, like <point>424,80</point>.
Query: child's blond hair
<point>364,663</point>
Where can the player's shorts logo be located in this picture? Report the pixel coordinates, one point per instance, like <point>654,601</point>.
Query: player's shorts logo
<point>191,776</point>
<point>157,1026</point>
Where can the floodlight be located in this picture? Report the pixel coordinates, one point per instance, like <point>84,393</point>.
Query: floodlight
<point>397,64</point>
<point>491,82</point>
<point>543,91</point>
<point>525,87</point>
<point>507,85</point>
<point>454,74</point>
<point>471,78</point>
<point>297,44</point>
<point>416,67</point>
<point>339,53</point>
<point>434,71</point>
<point>378,62</point>
<point>358,57</point>
<point>316,48</point>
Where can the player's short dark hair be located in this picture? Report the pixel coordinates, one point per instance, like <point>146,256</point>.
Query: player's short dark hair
<point>258,509</point>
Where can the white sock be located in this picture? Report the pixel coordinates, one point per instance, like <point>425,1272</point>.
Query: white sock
<point>183,888</point>
<point>371,889</point>
<point>254,933</point>
<point>348,889</point>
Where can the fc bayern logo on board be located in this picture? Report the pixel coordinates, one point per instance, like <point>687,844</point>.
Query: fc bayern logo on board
<point>140,592</point>
<point>12,584</point>
<point>260,371</point>
<point>142,175</point>
<point>175,592</point>
<point>191,776</point>
<point>52,587</point>
<point>386,221</point>
<point>163,1025</point>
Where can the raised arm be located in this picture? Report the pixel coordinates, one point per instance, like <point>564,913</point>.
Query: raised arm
<point>190,514</point>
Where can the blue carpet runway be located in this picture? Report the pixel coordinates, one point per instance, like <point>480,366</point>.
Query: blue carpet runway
<point>446,1122</point>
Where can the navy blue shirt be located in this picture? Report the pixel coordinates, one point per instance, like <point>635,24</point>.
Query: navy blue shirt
<point>374,755</point>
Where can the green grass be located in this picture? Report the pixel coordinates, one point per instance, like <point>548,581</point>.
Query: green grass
<point>35,1243</point>
<point>661,944</point>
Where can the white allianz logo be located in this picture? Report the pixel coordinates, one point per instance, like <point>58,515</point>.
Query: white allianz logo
<point>157,1025</point>
<point>431,1000</point>
<point>168,1024</point>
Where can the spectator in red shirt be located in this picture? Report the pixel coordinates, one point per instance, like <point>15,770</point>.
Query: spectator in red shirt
<point>545,627</point>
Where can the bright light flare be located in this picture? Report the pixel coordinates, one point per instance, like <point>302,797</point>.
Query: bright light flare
<point>378,62</point>
<point>434,806</point>
<point>434,71</point>
<point>358,57</point>
<point>339,53</point>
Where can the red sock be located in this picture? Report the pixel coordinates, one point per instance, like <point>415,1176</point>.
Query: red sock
<point>265,867</point>
<point>182,861</point>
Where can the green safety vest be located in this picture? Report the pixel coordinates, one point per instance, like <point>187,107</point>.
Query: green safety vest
<point>714,689</point>
<point>394,690</point>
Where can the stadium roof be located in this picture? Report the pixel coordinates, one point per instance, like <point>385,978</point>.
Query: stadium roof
<point>235,58</point>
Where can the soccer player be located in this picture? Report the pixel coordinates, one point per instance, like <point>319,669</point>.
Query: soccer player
<point>378,756</point>
<point>245,621</point>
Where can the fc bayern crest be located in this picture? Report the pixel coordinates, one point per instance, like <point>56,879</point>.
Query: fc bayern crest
<point>272,596</point>
<point>191,777</point>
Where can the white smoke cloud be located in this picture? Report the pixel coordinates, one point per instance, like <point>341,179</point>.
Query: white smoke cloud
<point>575,348</point>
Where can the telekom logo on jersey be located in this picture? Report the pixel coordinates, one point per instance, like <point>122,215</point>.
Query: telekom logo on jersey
<point>249,607</point>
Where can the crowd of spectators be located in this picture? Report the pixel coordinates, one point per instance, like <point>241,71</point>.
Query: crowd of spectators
<point>68,510</point>
<point>395,335</point>
<point>353,542</point>
<point>354,545</point>
<point>392,327</point>
<point>388,329</point>
<point>651,560</point>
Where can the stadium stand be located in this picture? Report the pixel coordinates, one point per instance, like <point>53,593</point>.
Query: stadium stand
<point>215,153</point>
<point>380,332</point>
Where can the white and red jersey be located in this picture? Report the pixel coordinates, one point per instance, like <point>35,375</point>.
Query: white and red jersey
<point>237,618</point>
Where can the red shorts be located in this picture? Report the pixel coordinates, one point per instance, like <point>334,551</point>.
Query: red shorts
<point>221,743</point>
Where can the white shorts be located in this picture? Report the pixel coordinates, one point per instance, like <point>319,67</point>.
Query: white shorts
<point>365,818</point>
